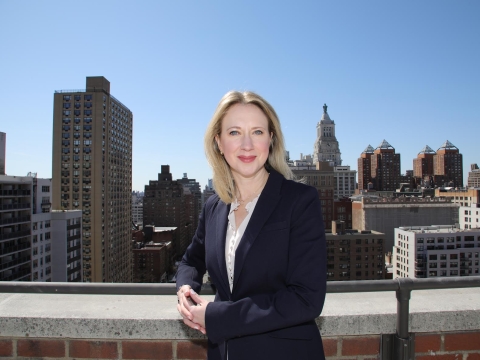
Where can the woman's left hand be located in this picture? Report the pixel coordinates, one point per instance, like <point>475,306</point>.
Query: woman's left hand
<point>198,312</point>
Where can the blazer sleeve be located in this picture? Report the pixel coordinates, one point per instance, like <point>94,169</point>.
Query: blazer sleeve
<point>192,267</point>
<point>301,299</point>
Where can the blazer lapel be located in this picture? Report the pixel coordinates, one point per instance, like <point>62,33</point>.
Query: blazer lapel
<point>221,233</point>
<point>266,204</point>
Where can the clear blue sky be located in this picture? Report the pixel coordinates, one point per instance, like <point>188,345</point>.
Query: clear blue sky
<point>404,71</point>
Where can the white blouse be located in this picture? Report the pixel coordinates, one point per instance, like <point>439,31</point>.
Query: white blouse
<point>234,235</point>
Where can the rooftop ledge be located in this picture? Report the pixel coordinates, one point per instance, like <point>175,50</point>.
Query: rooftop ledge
<point>155,316</point>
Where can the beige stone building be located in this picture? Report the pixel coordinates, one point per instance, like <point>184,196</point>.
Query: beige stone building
<point>92,172</point>
<point>474,176</point>
<point>322,177</point>
<point>461,197</point>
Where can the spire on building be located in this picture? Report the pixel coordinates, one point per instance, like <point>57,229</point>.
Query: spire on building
<point>385,145</point>
<point>427,150</point>
<point>368,150</point>
<point>326,146</point>
<point>325,117</point>
<point>447,145</point>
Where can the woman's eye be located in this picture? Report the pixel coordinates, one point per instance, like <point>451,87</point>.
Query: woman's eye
<point>258,132</point>
<point>233,132</point>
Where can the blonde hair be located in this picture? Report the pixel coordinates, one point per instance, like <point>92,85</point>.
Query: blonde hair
<point>222,176</point>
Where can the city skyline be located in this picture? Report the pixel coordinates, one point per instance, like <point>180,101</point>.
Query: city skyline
<point>405,73</point>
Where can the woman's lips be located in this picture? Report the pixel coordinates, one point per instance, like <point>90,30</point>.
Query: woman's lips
<point>247,159</point>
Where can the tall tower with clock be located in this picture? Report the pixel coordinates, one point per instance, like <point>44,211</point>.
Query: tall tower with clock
<point>326,146</point>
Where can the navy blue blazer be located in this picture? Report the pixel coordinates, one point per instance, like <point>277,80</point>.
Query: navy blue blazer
<point>279,278</point>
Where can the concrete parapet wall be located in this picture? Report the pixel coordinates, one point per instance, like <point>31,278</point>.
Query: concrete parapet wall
<point>445,322</point>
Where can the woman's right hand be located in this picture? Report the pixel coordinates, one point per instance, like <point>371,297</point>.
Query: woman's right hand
<point>183,306</point>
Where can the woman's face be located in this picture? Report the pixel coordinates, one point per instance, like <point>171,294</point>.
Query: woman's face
<point>245,140</point>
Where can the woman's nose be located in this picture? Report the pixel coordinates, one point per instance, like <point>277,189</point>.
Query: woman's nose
<point>247,143</point>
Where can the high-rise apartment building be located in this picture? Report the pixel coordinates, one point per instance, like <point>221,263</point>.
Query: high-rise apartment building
<point>435,251</point>
<point>66,246</point>
<point>193,204</point>
<point>92,172</point>
<point>164,206</point>
<point>448,162</point>
<point>385,167</point>
<point>326,145</point>
<point>3,148</point>
<point>15,228</point>
<point>423,164</point>
<point>474,176</point>
<point>365,168</point>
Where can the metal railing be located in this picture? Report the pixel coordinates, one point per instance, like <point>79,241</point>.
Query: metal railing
<point>399,346</point>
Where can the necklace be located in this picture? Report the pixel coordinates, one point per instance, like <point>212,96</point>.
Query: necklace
<point>256,193</point>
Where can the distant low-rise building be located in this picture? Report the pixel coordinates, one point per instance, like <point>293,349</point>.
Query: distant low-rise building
<point>386,214</point>
<point>153,258</point>
<point>435,251</point>
<point>469,217</point>
<point>354,255</point>
<point>342,211</point>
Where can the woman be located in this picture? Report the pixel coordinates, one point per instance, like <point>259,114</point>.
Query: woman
<point>262,240</point>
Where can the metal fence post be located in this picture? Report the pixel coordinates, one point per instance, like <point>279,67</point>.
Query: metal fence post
<point>403,344</point>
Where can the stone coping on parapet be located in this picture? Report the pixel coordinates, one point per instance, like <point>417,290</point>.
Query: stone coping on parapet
<point>156,317</point>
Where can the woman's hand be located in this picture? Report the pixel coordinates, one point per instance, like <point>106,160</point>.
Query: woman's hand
<point>198,311</point>
<point>186,303</point>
